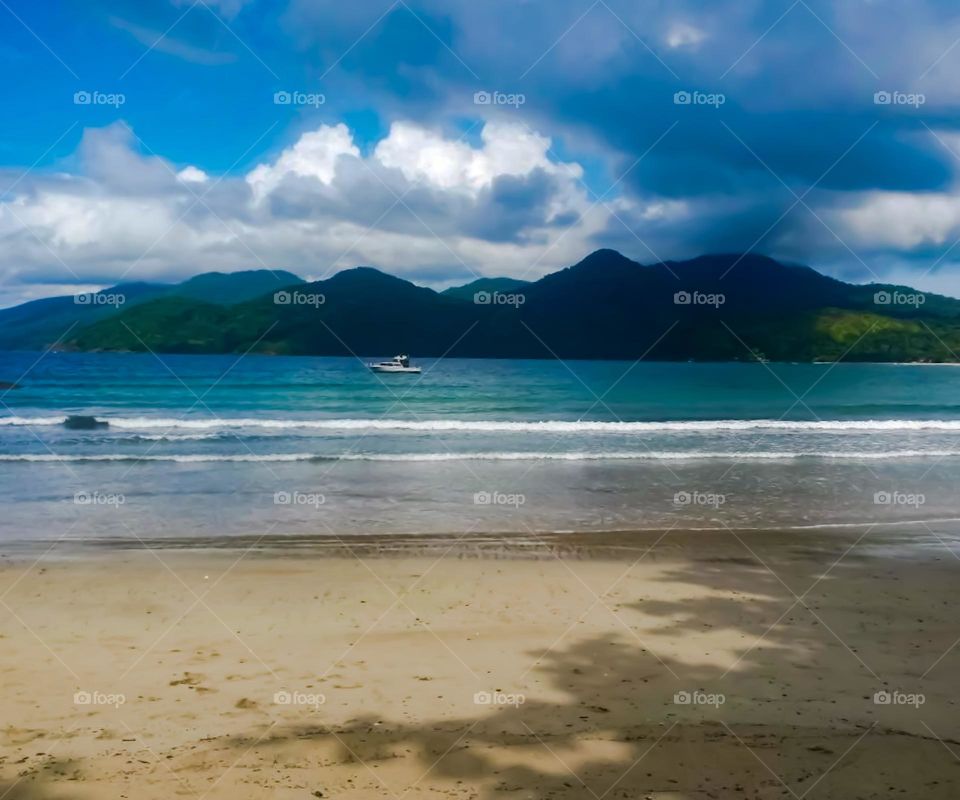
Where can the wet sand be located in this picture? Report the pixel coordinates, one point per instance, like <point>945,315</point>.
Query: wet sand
<point>677,665</point>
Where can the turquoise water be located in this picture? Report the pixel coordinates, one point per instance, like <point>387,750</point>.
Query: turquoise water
<point>221,445</point>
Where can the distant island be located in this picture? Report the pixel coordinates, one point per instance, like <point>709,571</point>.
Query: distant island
<point>713,308</point>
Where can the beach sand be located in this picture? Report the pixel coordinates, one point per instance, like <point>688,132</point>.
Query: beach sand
<point>549,668</point>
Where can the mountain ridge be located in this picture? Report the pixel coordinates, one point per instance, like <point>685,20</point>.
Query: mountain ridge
<point>606,306</point>
<point>41,323</point>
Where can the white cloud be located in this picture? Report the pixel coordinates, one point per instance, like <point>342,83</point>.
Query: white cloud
<point>191,174</point>
<point>507,149</point>
<point>228,8</point>
<point>314,155</point>
<point>902,220</point>
<point>161,41</point>
<point>490,207</point>
<point>682,34</point>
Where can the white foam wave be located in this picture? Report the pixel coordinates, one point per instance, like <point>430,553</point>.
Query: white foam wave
<point>176,437</point>
<point>32,420</point>
<point>693,455</point>
<point>509,426</point>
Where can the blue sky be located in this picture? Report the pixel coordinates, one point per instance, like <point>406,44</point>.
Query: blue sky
<point>152,140</point>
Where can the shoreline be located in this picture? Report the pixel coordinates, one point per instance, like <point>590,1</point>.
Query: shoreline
<point>361,359</point>
<point>904,537</point>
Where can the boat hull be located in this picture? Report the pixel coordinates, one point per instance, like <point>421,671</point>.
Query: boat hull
<point>392,369</point>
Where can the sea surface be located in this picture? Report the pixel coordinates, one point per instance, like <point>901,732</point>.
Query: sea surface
<point>210,446</point>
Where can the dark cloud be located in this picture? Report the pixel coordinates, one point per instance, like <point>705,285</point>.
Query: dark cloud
<point>799,92</point>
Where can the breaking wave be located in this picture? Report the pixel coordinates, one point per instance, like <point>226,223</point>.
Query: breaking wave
<point>506,426</point>
<point>692,455</point>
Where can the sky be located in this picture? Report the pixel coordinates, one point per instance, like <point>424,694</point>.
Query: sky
<point>442,140</point>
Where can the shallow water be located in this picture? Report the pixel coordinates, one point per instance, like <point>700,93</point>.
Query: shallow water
<point>222,445</point>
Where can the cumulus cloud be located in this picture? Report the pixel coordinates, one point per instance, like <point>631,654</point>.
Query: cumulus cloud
<point>902,220</point>
<point>314,155</point>
<point>421,203</point>
<point>507,149</point>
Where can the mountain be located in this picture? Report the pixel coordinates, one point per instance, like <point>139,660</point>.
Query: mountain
<point>41,323</point>
<point>716,307</point>
<point>488,285</point>
<point>235,287</point>
<point>360,310</point>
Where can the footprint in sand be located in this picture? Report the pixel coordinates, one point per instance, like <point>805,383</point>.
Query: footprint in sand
<point>192,680</point>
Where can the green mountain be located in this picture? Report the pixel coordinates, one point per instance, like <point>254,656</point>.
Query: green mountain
<point>488,285</point>
<point>234,287</point>
<point>41,323</point>
<point>719,307</point>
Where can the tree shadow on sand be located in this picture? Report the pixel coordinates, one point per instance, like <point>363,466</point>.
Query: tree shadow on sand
<point>41,783</point>
<point>797,718</point>
<point>605,716</point>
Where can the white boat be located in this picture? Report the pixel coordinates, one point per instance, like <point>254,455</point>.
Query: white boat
<point>396,364</point>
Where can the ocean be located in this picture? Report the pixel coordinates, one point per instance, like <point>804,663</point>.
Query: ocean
<point>129,446</point>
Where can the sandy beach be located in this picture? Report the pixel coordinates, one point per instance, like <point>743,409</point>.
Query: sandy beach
<point>685,665</point>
